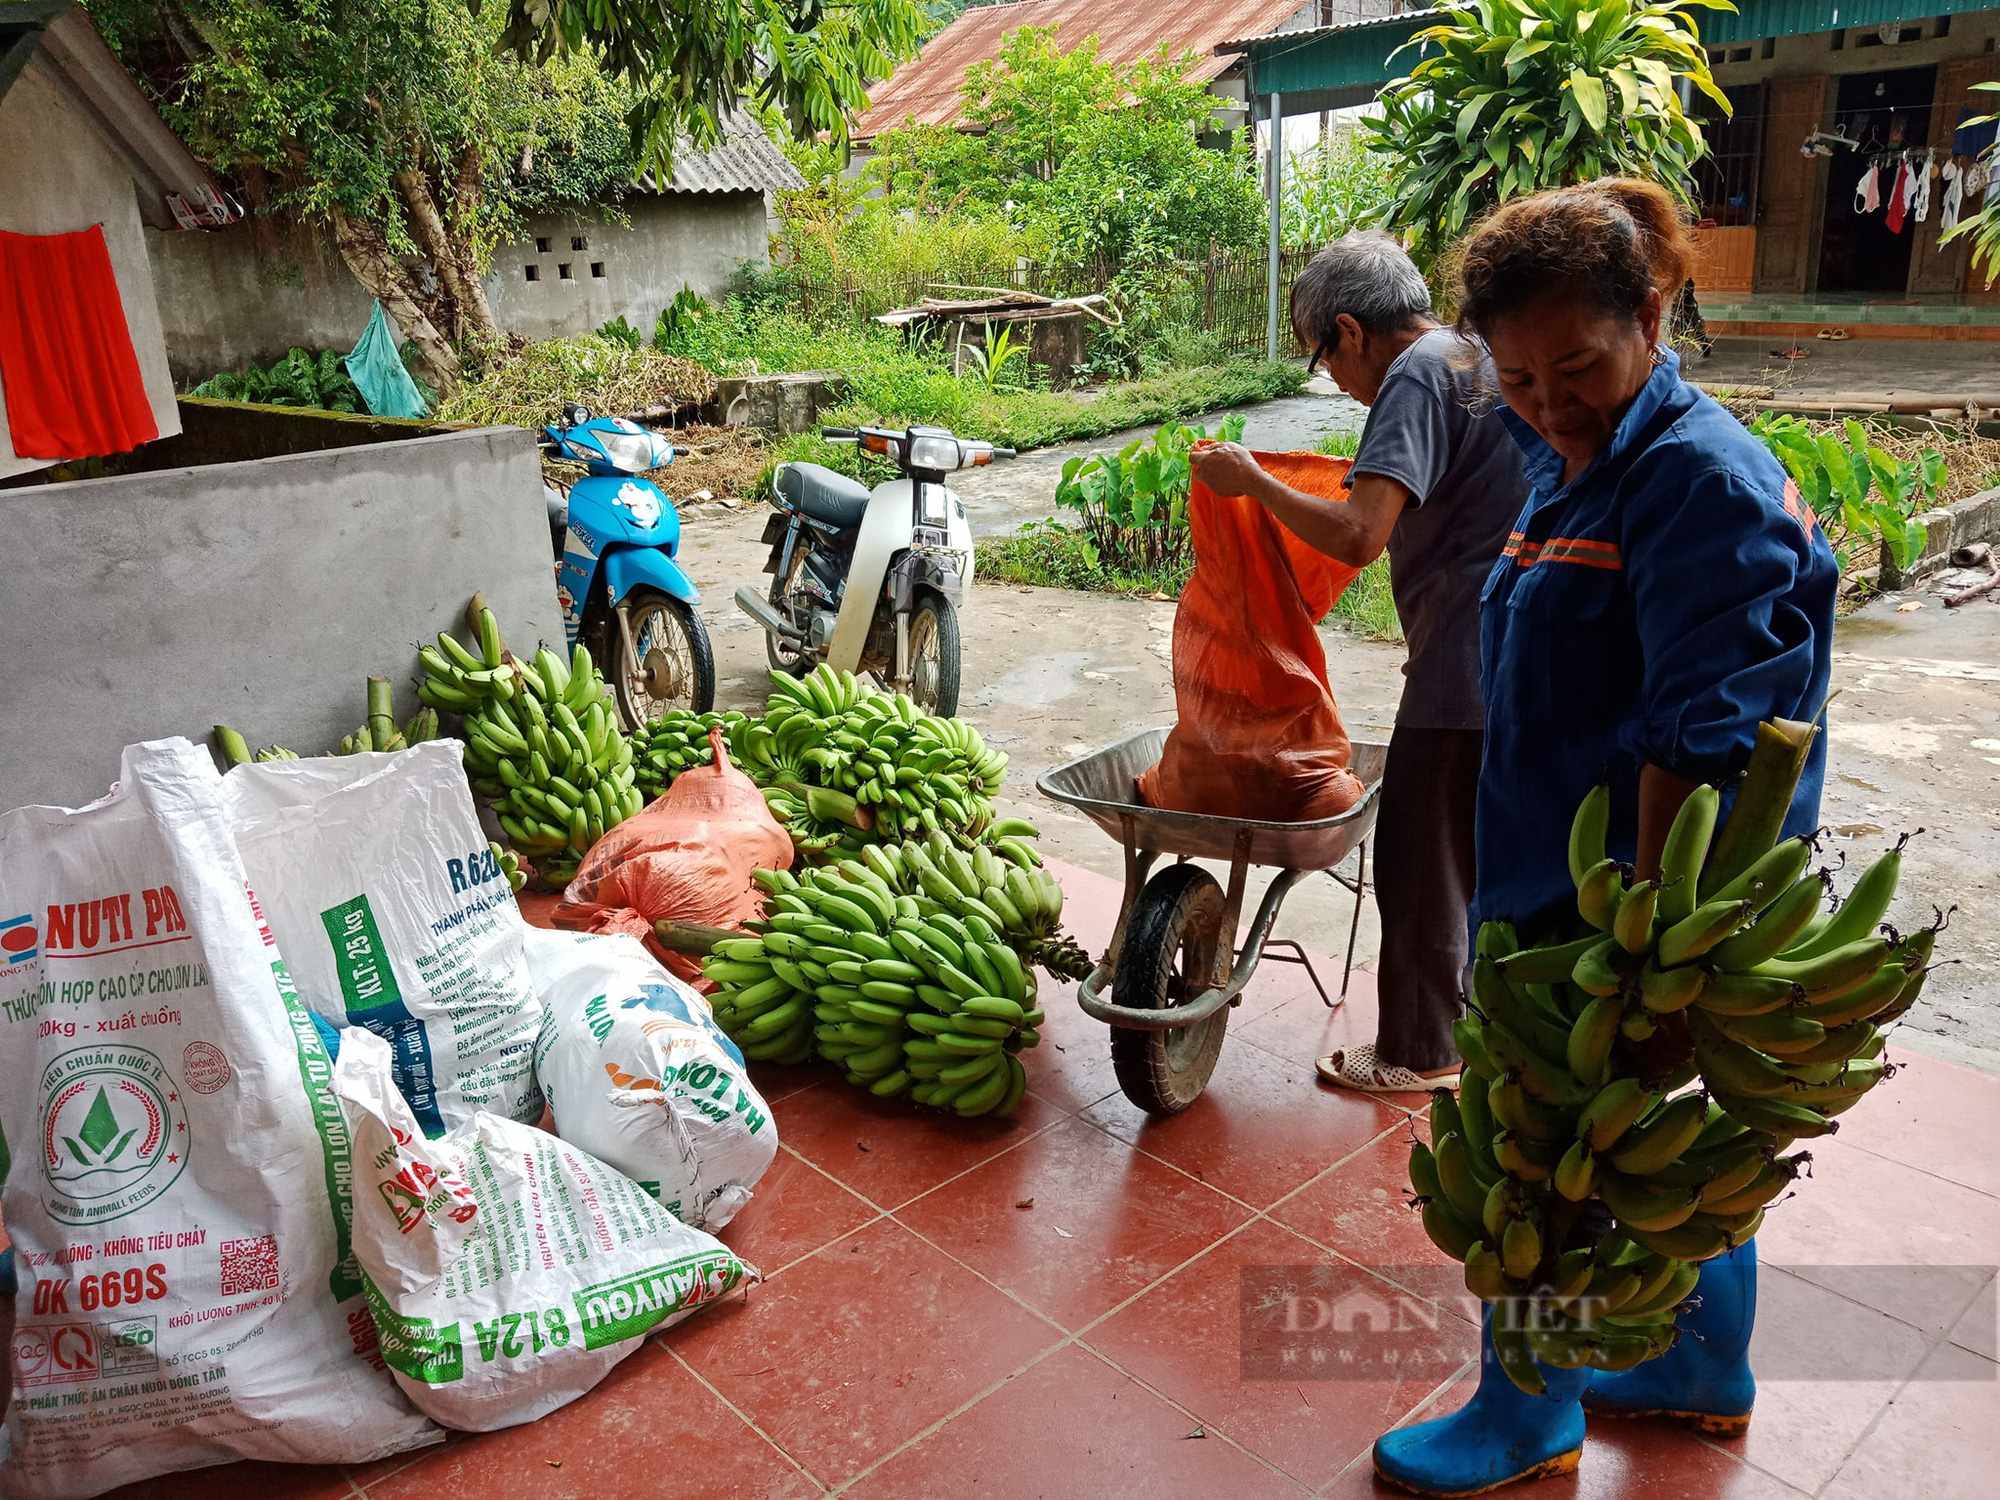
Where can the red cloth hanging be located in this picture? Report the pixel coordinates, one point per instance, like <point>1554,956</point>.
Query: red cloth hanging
<point>71,374</point>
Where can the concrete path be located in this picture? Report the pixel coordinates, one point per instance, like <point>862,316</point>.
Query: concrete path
<point>1932,367</point>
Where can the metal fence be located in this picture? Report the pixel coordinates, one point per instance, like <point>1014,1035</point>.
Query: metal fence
<point>1221,294</point>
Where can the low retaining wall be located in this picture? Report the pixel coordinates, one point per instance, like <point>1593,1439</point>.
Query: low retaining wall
<point>1973,519</point>
<point>258,594</point>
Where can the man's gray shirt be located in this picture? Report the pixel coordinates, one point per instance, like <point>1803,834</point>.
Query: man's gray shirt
<point>1433,431</point>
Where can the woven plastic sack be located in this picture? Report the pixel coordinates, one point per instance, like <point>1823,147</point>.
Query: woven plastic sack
<point>640,1076</point>
<point>394,915</point>
<point>178,1189</point>
<point>509,1271</point>
<point>1258,734</point>
<point>686,858</point>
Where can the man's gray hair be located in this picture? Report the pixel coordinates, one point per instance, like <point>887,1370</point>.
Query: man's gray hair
<point>1366,275</point>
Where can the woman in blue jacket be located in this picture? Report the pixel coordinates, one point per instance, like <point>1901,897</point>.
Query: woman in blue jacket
<point>1664,591</point>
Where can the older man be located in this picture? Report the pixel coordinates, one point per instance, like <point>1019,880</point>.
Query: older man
<point>1437,481</point>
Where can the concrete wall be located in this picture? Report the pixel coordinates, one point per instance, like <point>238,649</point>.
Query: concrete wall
<point>259,595</point>
<point>675,240</point>
<point>59,175</point>
<point>228,302</point>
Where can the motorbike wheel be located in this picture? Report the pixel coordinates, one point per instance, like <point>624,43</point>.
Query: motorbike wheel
<point>934,655</point>
<point>783,656</point>
<point>675,669</point>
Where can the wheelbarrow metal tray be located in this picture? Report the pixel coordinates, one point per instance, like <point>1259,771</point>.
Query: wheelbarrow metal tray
<point>1103,786</point>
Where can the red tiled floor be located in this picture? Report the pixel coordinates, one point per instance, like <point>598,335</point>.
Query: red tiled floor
<point>1860,1212</point>
<point>1302,1028</point>
<point>888,1150</point>
<point>649,1424</point>
<point>1262,1127</point>
<point>277,1481</point>
<point>1310,1427</point>
<point>1071,1427</point>
<point>797,1209</point>
<point>1809,1342</point>
<point>1072,1066</point>
<point>859,1348</point>
<point>1107,1221</point>
<point>1939,1439</point>
<point>1362,1207</point>
<point>1900,1121</point>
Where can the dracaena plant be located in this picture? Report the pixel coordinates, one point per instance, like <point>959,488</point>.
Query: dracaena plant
<point>1508,97</point>
<point>1983,227</point>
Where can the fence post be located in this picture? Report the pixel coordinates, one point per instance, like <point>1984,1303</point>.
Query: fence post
<point>1277,118</point>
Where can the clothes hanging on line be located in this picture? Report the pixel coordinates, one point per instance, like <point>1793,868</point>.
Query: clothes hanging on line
<point>1948,202</point>
<point>1867,193</point>
<point>1921,172</point>
<point>1899,199</point>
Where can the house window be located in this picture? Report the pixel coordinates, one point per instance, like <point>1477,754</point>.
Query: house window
<point>1941,27</point>
<point>541,245</point>
<point>1770,48</point>
<point>597,269</point>
<point>531,273</point>
<point>566,271</point>
<point>1840,41</point>
<point>576,242</point>
<point>1739,54</point>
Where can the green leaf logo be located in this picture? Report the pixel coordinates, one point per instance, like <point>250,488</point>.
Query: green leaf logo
<point>99,1142</point>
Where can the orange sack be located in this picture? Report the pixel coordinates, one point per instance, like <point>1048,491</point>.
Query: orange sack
<point>1259,736</point>
<point>687,858</point>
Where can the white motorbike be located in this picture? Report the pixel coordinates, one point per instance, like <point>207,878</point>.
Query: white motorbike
<point>871,581</point>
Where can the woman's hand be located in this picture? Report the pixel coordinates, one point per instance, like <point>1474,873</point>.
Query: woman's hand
<point>1228,469</point>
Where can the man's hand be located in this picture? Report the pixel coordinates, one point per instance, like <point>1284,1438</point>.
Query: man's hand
<point>1229,469</point>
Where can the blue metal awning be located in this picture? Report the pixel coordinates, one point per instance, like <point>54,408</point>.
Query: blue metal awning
<point>1356,56</point>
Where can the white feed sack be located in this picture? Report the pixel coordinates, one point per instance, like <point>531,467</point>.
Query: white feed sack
<point>509,1271</point>
<point>176,1167</point>
<point>396,917</point>
<point>639,1075</point>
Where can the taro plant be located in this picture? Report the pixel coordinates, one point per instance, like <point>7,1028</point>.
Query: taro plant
<point>1511,96</point>
<point>1857,489</point>
<point>1133,503</point>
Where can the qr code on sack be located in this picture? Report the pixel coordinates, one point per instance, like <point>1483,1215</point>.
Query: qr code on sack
<point>249,1266</point>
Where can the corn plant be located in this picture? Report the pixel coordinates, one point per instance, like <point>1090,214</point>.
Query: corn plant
<point>1133,503</point>
<point>1512,96</point>
<point>1855,488</point>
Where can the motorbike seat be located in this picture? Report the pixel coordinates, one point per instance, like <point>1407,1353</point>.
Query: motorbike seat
<point>824,495</point>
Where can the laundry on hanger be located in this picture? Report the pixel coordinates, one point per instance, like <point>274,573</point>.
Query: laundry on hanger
<point>1899,199</point>
<point>1954,189</point>
<point>1867,196</point>
<point>1920,186</point>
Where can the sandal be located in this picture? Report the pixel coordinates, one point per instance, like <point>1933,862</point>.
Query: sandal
<point>1826,333</point>
<point>1358,1068</point>
<point>1838,335</point>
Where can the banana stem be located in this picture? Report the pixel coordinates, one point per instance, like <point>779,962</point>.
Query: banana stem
<point>1762,801</point>
<point>235,751</point>
<point>473,611</point>
<point>381,716</point>
<point>689,937</point>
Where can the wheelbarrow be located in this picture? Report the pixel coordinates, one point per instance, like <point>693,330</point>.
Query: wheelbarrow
<point>1173,964</point>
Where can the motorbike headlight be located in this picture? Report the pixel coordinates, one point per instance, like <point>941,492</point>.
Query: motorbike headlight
<point>631,451</point>
<point>932,452</point>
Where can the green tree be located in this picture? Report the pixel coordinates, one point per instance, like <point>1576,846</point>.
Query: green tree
<point>1513,96</point>
<point>418,133</point>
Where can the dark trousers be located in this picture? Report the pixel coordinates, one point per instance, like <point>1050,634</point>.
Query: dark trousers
<point>1423,890</point>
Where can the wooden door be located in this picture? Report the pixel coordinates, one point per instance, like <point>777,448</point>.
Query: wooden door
<point>1939,269</point>
<point>1788,212</point>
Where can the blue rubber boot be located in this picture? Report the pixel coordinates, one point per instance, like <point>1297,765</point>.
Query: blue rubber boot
<point>1501,1436</point>
<point>1704,1379</point>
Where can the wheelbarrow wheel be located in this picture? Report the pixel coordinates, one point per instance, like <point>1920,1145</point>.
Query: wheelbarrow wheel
<point>1169,957</point>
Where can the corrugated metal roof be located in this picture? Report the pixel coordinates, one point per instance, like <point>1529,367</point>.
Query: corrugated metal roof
<point>747,161</point>
<point>1357,52</point>
<point>928,89</point>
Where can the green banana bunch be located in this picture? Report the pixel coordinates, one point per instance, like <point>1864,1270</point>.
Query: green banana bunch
<point>1657,1054</point>
<point>542,742</point>
<point>378,732</point>
<point>510,866</point>
<point>903,1000</point>
<point>677,741</point>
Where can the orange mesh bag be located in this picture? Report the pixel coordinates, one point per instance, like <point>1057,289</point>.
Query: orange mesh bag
<point>687,858</point>
<point>1258,736</point>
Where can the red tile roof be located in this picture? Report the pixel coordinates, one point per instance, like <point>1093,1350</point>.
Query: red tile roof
<point>928,89</point>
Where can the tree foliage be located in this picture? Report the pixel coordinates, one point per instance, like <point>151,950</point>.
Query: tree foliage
<point>689,64</point>
<point>1513,96</point>
<point>1983,227</point>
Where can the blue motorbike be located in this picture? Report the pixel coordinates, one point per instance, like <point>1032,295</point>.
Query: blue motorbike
<point>623,595</point>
